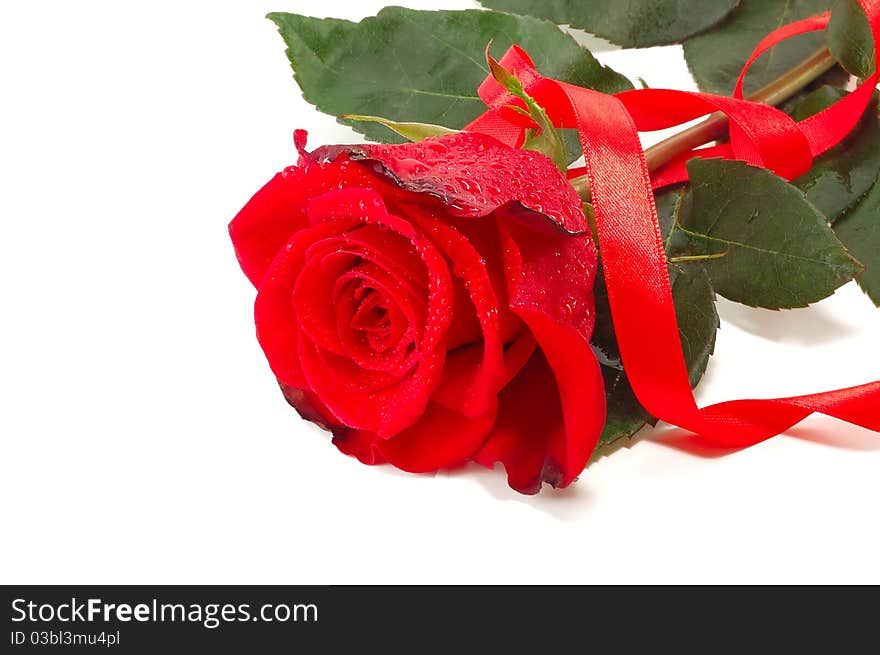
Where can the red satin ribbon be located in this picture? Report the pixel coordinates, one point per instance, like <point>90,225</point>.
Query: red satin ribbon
<point>628,229</point>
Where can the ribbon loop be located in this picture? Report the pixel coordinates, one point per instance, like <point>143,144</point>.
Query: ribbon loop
<point>633,257</point>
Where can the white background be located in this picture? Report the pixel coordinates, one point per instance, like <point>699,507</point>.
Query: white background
<point>145,440</point>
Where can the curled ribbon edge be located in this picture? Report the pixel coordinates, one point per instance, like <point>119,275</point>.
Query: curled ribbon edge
<point>633,257</point>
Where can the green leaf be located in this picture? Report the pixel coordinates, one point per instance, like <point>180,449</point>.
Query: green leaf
<point>423,66</point>
<point>672,204</point>
<point>819,94</point>
<point>692,290</point>
<point>408,130</point>
<point>629,23</point>
<point>781,253</point>
<point>698,322</point>
<point>809,104</point>
<point>849,38</point>
<point>844,183</point>
<point>843,175</point>
<point>859,231</point>
<point>832,84</point>
<point>624,416</point>
<point>717,56</point>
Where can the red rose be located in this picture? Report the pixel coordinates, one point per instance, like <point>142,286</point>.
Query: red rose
<point>431,304</point>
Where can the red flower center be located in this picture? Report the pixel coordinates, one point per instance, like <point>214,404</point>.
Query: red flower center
<point>361,305</point>
<point>377,318</point>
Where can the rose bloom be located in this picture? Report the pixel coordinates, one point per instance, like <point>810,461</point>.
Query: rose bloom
<point>431,304</point>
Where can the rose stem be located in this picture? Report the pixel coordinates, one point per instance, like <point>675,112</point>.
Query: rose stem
<point>715,126</point>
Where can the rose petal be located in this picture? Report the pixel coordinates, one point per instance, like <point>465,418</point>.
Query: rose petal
<point>310,407</point>
<point>441,438</point>
<point>338,382</point>
<point>278,210</point>
<point>547,273</point>
<point>359,444</point>
<point>529,429</point>
<point>399,353</point>
<point>276,321</point>
<point>473,174</point>
<point>517,355</point>
<point>368,206</point>
<point>313,291</point>
<point>550,285</point>
<point>581,393</point>
<point>388,251</point>
<point>470,390</point>
<point>483,235</point>
<point>321,295</point>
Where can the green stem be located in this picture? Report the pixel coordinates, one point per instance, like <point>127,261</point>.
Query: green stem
<point>715,126</point>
